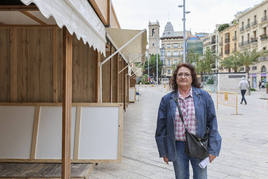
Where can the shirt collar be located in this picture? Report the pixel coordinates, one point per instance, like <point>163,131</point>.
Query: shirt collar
<point>190,94</point>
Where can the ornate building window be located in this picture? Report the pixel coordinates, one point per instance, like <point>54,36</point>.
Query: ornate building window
<point>263,69</point>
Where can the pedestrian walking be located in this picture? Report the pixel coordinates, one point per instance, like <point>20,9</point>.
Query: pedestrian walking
<point>198,113</point>
<point>262,84</point>
<point>243,85</point>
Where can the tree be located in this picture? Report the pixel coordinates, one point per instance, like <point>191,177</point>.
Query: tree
<point>232,62</point>
<point>247,58</point>
<point>227,63</point>
<point>152,66</point>
<point>222,27</point>
<point>210,61</point>
<point>192,57</point>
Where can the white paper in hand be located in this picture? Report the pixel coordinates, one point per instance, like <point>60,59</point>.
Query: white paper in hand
<point>204,163</point>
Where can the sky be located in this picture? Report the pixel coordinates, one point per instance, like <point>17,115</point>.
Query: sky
<point>203,16</point>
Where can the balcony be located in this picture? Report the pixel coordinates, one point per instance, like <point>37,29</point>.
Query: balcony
<point>254,40</point>
<point>227,52</point>
<point>242,44</point>
<point>263,37</point>
<point>264,18</point>
<point>242,29</point>
<point>254,24</point>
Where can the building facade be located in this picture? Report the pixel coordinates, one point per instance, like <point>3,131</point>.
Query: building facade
<point>195,45</point>
<point>228,41</point>
<point>252,35</point>
<point>209,42</point>
<point>172,48</point>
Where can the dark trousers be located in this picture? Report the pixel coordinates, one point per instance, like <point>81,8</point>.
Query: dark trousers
<point>243,92</point>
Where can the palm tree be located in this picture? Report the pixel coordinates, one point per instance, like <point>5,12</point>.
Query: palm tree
<point>227,63</point>
<point>232,62</point>
<point>236,61</point>
<point>247,58</point>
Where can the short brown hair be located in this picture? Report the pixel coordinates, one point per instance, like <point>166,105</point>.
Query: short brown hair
<point>195,82</point>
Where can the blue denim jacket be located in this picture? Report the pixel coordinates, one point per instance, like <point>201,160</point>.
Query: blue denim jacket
<point>205,116</point>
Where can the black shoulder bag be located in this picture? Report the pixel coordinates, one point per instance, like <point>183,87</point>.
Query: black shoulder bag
<point>194,146</point>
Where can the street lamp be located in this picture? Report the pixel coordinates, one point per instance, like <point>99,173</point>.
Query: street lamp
<point>184,36</point>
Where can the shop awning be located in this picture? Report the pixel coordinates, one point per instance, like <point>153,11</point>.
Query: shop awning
<point>135,50</point>
<point>78,16</point>
<point>137,71</point>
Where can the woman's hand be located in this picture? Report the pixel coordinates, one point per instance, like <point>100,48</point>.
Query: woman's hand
<point>211,157</point>
<point>165,159</point>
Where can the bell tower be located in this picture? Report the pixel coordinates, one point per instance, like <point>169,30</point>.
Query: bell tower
<point>154,38</point>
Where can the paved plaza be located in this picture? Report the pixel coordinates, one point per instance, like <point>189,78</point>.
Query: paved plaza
<point>244,153</point>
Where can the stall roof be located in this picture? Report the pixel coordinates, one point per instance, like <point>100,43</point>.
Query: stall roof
<point>135,50</point>
<point>77,15</point>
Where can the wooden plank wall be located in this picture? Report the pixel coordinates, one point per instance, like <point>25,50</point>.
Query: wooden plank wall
<point>84,72</point>
<point>133,81</point>
<point>4,64</point>
<point>121,82</point>
<point>127,86</point>
<point>106,78</point>
<point>114,77</point>
<point>31,66</point>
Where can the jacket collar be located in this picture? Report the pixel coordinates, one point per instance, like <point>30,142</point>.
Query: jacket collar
<point>195,91</point>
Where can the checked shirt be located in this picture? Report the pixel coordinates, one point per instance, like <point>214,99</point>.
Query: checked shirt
<point>188,112</point>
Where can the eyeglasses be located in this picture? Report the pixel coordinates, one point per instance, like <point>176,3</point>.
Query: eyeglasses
<point>186,75</point>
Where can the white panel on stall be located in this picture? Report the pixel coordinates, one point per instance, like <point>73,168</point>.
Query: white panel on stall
<point>132,94</point>
<point>99,133</point>
<point>49,133</point>
<point>16,127</point>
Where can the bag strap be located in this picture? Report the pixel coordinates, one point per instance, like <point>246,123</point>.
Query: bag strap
<point>180,113</point>
<point>181,116</point>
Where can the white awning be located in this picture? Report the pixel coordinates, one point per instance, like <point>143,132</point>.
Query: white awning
<point>78,16</point>
<point>137,71</point>
<point>135,50</point>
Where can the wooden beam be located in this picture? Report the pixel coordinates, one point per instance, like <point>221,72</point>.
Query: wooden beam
<point>18,7</point>
<point>26,25</point>
<point>108,13</point>
<point>117,78</point>
<point>55,66</point>
<point>120,133</point>
<point>13,65</point>
<point>115,17</point>
<point>35,131</point>
<point>67,104</point>
<point>30,15</point>
<point>98,11</point>
<point>98,77</point>
<point>111,74</point>
<point>77,132</point>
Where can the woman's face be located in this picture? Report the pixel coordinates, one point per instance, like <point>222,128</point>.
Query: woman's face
<point>184,78</point>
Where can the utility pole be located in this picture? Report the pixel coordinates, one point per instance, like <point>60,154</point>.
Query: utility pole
<point>148,67</point>
<point>184,38</point>
<point>156,69</point>
<point>184,33</point>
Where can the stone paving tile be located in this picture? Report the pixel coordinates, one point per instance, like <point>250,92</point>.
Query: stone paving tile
<point>244,153</point>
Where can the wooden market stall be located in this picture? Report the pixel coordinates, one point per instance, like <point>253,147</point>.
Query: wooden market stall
<point>56,105</point>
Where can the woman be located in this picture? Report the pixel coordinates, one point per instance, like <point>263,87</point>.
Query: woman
<point>198,113</point>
